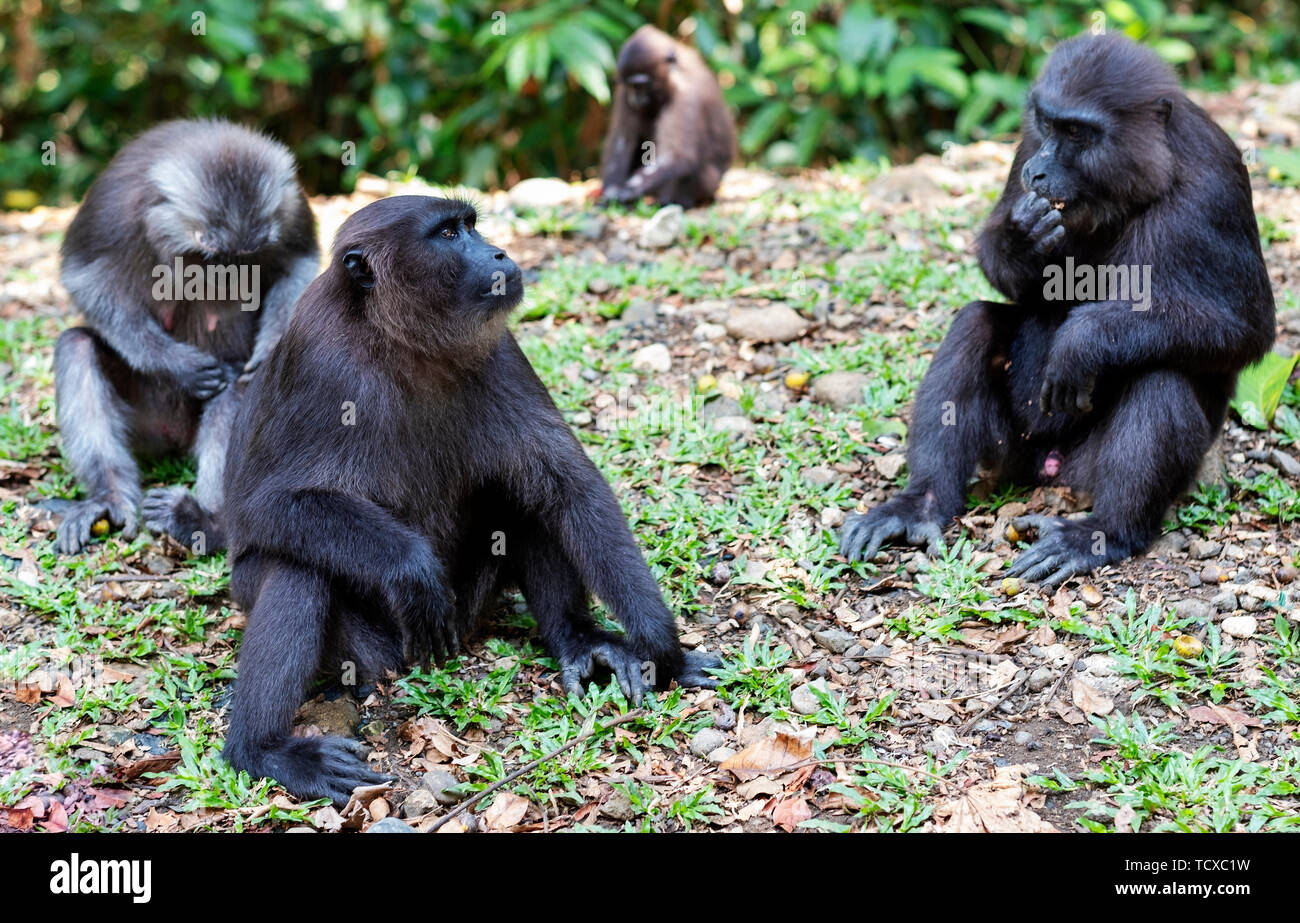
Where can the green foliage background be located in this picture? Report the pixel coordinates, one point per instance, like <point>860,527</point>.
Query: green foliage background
<point>433,87</point>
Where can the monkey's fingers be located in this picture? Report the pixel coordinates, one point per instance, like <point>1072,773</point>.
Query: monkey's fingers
<point>1029,211</point>
<point>694,667</point>
<point>929,534</point>
<point>864,533</point>
<point>1050,240</point>
<point>626,668</point>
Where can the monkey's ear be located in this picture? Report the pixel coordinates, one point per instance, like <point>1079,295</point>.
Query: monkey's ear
<point>1164,108</point>
<point>354,261</point>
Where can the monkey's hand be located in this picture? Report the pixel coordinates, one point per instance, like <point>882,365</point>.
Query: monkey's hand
<point>1067,384</point>
<point>620,194</point>
<point>1065,548</point>
<point>204,376</point>
<point>80,519</point>
<point>1035,217</point>
<point>585,657</point>
<point>418,597</point>
<point>908,516</point>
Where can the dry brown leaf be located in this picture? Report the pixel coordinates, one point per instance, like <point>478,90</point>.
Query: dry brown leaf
<point>155,822</point>
<point>1068,713</point>
<point>28,695</point>
<point>507,810</point>
<point>1088,700</point>
<point>771,754</point>
<point>935,711</point>
<point>760,787</point>
<point>1124,819</point>
<point>19,820</point>
<point>136,768</point>
<point>992,806</point>
<point>1222,714</point>
<point>787,812</point>
<point>66,695</point>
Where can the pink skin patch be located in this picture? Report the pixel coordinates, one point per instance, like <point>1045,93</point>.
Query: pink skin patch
<point>168,317</point>
<point>1052,464</point>
<point>212,321</point>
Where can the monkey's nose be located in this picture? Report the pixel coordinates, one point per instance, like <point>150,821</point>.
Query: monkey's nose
<point>499,255</point>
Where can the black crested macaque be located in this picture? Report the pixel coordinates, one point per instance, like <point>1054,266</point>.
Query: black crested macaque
<point>671,135</point>
<point>1126,243</point>
<point>395,464</point>
<point>186,258</point>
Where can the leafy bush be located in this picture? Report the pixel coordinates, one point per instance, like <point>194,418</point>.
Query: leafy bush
<point>489,92</point>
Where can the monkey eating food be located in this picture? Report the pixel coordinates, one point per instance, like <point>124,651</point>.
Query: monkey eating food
<point>1118,387</point>
<point>396,463</point>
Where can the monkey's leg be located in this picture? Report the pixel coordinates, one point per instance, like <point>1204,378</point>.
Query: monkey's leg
<point>280,656</point>
<point>1138,461</point>
<point>95,428</point>
<point>960,418</point>
<point>195,519</point>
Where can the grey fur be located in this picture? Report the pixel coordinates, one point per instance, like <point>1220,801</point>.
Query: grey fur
<point>147,376</point>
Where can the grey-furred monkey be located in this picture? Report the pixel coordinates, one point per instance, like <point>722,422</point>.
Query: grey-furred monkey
<point>186,258</point>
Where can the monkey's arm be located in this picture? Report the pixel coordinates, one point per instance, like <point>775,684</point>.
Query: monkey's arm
<point>277,306</point>
<point>134,333</point>
<point>354,538</point>
<point>616,163</point>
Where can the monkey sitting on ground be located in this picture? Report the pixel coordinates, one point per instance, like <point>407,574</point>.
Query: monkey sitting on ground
<point>186,258</point>
<point>671,135</point>
<point>1118,386</point>
<point>395,464</point>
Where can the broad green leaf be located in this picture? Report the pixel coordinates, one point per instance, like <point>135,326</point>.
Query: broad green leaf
<point>1260,386</point>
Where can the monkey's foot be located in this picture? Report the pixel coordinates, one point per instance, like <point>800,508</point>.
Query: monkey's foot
<point>583,662</point>
<point>172,511</point>
<point>1065,549</point>
<point>312,767</point>
<point>694,667</point>
<point>80,519</point>
<point>904,517</point>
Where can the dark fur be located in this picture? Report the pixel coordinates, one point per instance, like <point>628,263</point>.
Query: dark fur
<point>149,377</point>
<point>374,543</point>
<point>666,95</point>
<point>1126,402</point>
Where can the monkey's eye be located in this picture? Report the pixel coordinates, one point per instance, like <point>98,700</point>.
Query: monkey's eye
<point>1073,131</point>
<point>449,232</point>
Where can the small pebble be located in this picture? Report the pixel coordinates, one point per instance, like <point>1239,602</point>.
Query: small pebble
<point>706,740</point>
<point>1239,626</point>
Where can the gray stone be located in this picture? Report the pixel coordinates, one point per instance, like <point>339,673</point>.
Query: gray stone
<point>544,193</point>
<point>419,803</point>
<point>1198,610</point>
<point>706,740</point>
<point>390,825</point>
<point>639,312</point>
<point>775,323</point>
<point>1287,463</point>
<point>1203,548</point>
<point>662,229</point>
<point>840,390</point>
<point>442,785</point>
<point>1240,626</point>
<point>1041,678</point>
<point>1224,601</point>
<point>721,755</point>
<point>835,640</point>
<point>619,807</point>
<point>804,701</point>
<point>652,358</point>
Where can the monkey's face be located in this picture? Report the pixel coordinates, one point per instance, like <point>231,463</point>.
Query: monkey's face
<point>420,268</point>
<point>645,66</point>
<point>1096,123</point>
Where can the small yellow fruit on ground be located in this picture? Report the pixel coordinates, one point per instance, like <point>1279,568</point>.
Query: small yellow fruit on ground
<point>1013,534</point>
<point>1011,586</point>
<point>100,528</point>
<point>1188,646</point>
<point>706,383</point>
<point>1091,595</point>
<point>1274,174</point>
<point>796,381</point>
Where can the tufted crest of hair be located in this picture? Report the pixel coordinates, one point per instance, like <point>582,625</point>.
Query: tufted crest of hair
<point>645,52</point>
<point>217,176</point>
<point>416,295</point>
